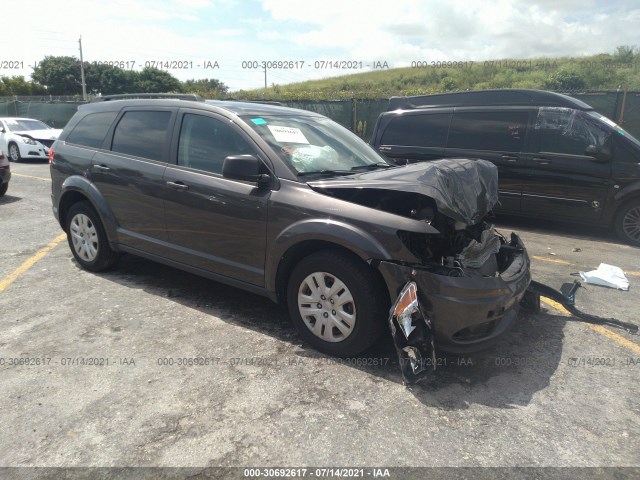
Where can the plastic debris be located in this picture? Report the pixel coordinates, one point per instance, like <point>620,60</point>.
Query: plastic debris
<point>607,276</point>
<point>412,336</point>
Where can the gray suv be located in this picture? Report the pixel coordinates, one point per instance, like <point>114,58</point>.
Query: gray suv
<point>290,205</point>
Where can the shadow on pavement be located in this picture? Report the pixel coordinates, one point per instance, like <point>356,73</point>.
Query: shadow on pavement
<point>505,376</point>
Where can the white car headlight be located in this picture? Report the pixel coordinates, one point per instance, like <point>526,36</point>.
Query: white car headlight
<point>28,140</point>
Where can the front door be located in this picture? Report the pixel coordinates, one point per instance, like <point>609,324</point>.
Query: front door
<point>214,223</point>
<point>562,181</point>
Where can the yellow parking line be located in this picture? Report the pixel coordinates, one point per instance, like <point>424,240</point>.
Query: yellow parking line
<point>597,328</point>
<point>564,262</point>
<point>552,260</point>
<point>13,174</point>
<point>30,262</point>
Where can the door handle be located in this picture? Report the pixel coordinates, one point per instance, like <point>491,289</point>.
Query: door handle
<point>509,158</point>
<point>542,161</point>
<point>178,185</point>
<point>104,168</point>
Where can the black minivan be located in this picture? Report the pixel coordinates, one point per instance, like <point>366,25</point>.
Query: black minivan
<point>557,158</point>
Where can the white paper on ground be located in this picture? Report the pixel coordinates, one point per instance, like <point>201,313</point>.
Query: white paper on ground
<point>607,276</point>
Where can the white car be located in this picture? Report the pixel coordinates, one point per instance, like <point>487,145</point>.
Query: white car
<point>26,138</point>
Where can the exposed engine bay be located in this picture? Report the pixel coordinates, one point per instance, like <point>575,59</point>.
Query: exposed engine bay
<point>459,250</point>
<point>454,196</point>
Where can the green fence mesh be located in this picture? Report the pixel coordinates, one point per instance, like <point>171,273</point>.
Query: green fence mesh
<point>358,115</point>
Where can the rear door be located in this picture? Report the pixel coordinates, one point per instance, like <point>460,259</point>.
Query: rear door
<point>413,136</point>
<point>129,174</point>
<point>563,181</point>
<point>497,135</point>
<point>214,223</point>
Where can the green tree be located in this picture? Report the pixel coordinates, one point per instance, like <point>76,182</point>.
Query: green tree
<point>154,80</point>
<point>109,79</point>
<point>565,80</point>
<point>17,85</point>
<point>206,87</point>
<point>59,75</point>
<point>625,54</point>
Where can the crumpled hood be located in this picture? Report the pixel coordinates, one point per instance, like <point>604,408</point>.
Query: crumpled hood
<point>463,189</point>
<point>45,134</point>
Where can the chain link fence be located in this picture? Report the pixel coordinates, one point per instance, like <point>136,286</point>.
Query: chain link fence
<point>358,115</point>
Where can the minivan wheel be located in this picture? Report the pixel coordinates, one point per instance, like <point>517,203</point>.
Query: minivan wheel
<point>14,153</point>
<point>628,223</point>
<point>336,303</point>
<point>87,238</point>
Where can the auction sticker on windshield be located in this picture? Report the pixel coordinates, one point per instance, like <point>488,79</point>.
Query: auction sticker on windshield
<point>288,134</point>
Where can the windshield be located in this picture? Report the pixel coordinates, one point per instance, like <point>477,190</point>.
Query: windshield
<point>315,145</point>
<point>616,127</point>
<point>16,125</point>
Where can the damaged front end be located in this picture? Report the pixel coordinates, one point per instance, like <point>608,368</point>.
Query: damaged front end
<point>467,281</point>
<point>466,300</point>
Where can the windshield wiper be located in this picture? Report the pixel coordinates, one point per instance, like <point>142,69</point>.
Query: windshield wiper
<point>325,172</point>
<point>370,166</point>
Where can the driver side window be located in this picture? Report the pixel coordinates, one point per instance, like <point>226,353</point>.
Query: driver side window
<point>567,131</point>
<point>205,142</point>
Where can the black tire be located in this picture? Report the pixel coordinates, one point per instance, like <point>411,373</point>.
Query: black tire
<point>627,222</point>
<point>13,152</point>
<point>3,188</point>
<point>370,302</point>
<point>95,252</point>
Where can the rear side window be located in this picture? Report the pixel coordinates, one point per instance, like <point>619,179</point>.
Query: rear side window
<point>92,129</point>
<point>417,130</point>
<point>142,133</point>
<point>495,131</point>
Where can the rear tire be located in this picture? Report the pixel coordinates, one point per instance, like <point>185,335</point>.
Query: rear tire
<point>627,222</point>
<point>337,304</point>
<point>3,188</point>
<point>87,238</point>
<point>14,152</point>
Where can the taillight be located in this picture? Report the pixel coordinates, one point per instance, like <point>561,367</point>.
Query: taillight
<point>51,153</point>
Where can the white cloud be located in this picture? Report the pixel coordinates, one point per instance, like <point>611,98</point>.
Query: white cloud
<point>231,32</point>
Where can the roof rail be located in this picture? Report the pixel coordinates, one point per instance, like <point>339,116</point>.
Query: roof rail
<point>133,96</point>
<point>518,97</point>
<point>265,102</point>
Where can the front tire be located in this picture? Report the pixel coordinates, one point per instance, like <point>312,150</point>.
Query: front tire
<point>87,238</point>
<point>336,302</point>
<point>627,223</point>
<point>14,153</point>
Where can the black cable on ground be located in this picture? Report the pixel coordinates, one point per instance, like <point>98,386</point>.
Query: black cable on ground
<point>568,303</point>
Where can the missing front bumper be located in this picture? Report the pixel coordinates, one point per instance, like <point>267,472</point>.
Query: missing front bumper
<point>467,313</point>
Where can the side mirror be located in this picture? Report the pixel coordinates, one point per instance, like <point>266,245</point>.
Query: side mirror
<point>599,153</point>
<point>2,130</point>
<point>246,168</point>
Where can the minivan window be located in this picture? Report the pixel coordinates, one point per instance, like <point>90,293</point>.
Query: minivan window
<point>92,129</point>
<point>568,131</point>
<point>617,128</point>
<point>205,142</point>
<point>142,133</point>
<point>423,130</point>
<point>495,131</point>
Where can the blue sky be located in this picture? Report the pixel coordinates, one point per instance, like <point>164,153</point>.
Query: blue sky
<point>231,32</point>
